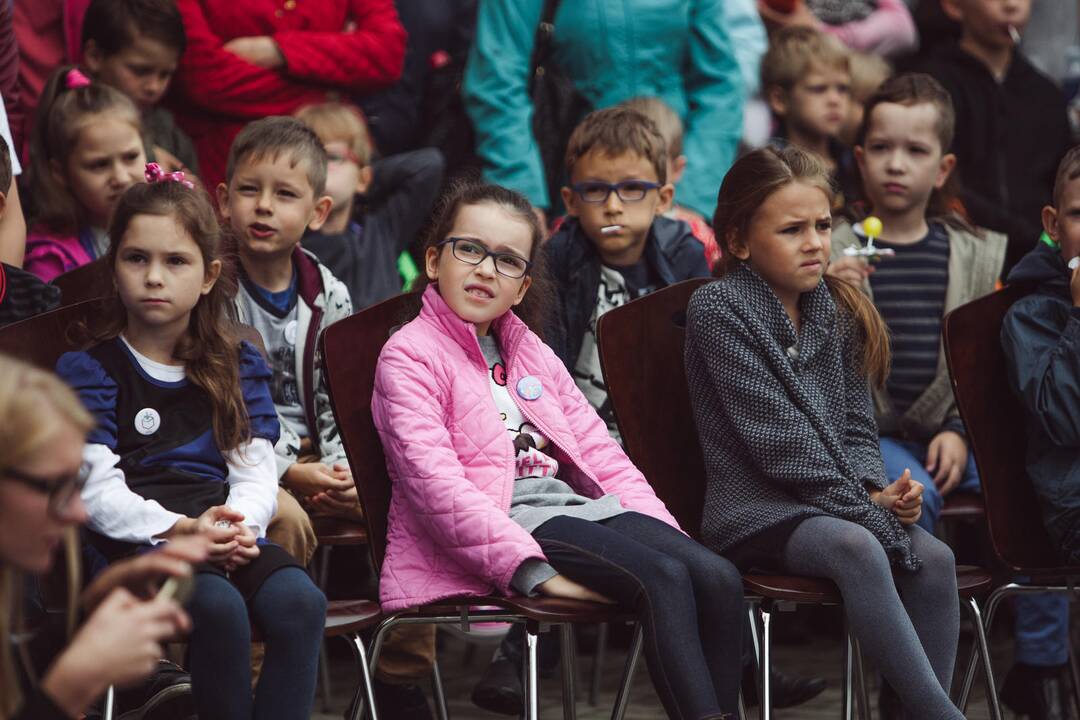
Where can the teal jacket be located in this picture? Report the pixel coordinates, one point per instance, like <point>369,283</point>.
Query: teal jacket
<point>678,50</point>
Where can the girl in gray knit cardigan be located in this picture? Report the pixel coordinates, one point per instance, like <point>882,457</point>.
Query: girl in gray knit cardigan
<point>778,359</point>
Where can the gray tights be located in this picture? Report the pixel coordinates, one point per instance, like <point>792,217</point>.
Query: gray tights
<point>908,623</point>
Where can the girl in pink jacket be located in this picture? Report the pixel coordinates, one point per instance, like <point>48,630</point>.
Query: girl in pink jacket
<point>506,480</point>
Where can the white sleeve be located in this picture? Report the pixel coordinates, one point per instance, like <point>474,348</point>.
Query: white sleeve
<point>5,133</point>
<point>253,483</point>
<point>114,509</point>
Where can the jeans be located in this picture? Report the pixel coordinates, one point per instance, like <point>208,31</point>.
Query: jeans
<point>290,613</point>
<point>900,455</point>
<point>688,600</point>
<point>1041,632</point>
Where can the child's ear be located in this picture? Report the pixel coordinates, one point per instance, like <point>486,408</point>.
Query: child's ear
<point>860,158</point>
<point>1049,221</point>
<point>733,246</point>
<point>777,98</point>
<point>223,201</point>
<point>666,194</point>
<point>57,172</point>
<point>213,272</point>
<point>431,263</point>
<point>678,167</point>
<point>523,289</point>
<point>948,162</point>
<point>320,212</point>
<point>93,56</point>
<point>3,201</point>
<point>367,175</point>
<point>569,199</point>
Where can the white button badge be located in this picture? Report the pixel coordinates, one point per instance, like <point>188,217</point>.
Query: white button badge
<point>147,421</point>
<point>529,387</point>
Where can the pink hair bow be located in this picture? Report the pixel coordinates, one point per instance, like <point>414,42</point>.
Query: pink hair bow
<point>154,174</point>
<point>75,79</point>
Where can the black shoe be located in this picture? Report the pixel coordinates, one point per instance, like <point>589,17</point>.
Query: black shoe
<point>500,689</point>
<point>165,695</point>
<point>787,690</point>
<point>1037,692</point>
<point>401,702</point>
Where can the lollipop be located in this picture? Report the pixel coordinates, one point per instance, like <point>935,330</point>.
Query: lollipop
<point>871,228</point>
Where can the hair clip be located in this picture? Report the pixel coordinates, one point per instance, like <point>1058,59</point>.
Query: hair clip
<point>154,174</point>
<point>75,79</point>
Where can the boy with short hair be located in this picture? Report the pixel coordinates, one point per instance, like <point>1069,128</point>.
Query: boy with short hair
<point>378,206</point>
<point>671,129</point>
<point>806,80</point>
<point>1011,122</point>
<point>1041,340</point>
<point>616,244</point>
<point>135,46</point>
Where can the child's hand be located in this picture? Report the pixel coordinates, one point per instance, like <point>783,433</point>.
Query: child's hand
<point>222,539</point>
<point>260,50</point>
<point>246,548</point>
<point>142,574</point>
<point>564,587</point>
<point>339,503</point>
<point>1074,286</point>
<point>946,458</point>
<point>903,498</point>
<point>307,479</point>
<point>853,270</point>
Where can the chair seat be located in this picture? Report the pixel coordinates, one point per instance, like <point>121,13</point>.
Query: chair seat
<point>349,616</point>
<point>972,580</point>
<point>337,531</point>
<point>963,506</point>
<point>793,588</point>
<point>540,609</point>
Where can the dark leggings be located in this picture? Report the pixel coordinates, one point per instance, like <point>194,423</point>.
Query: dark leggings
<point>688,600</point>
<point>290,612</point>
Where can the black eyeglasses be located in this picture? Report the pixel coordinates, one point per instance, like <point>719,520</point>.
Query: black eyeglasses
<point>594,191</point>
<point>61,491</point>
<point>472,252</point>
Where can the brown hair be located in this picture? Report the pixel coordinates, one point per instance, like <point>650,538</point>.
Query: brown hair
<point>210,347</point>
<point>338,122</point>
<point>5,169</point>
<point>794,51</point>
<point>24,391</point>
<point>533,308</point>
<point>272,136</point>
<point>667,121</point>
<point>1068,170</point>
<point>616,131</point>
<point>62,113</point>
<point>748,184</point>
<point>910,89</point>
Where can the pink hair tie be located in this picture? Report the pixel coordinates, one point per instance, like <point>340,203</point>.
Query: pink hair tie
<point>154,174</point>
<point>75,79</point>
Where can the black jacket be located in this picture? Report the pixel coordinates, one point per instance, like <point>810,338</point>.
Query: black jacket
<point>1041,340</point>
<point>1009,139</point>
<point>573,264</point>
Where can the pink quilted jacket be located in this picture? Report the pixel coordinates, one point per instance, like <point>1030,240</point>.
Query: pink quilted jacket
<point>452,461</point>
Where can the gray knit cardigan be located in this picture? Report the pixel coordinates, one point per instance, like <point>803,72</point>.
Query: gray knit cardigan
<point>786,421</point>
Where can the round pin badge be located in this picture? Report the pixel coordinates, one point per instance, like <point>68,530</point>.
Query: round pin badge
<point>529,387</point>
<point>290,332</point>
<point>147,421</point>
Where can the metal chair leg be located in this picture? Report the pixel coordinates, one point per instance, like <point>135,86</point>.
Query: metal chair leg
<point>742,708</point>
<point>984,652</point>
<point>365,693</point>
<point>848,699</point>
<point>441,709</point>
<point>765,694</point>
<point>991,609</point>
<point>110,701</point>
<point>862,685</point>
<point>532,677</point>
<point>569,671</point>
<point>598,663</point>
<point>622,700</point>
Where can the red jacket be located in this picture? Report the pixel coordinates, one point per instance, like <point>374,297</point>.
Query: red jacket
<point>216,92</point>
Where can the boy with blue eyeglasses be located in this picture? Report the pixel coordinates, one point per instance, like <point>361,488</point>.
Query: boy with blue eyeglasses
<point>616,245</point>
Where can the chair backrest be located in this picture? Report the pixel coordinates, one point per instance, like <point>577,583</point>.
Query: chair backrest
<point>42,339</point>
<point>86,282</point>
<point>641,353</point>
<point>994,420</point>
<point>350,352</point>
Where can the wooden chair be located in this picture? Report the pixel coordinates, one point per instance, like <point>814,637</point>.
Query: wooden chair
<point>350,350</point>
<point>86,282</point>
<point>641,351</point>
<point>994,417</point>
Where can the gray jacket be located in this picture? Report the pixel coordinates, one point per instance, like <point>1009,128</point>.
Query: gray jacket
<point>975,262</point>
<point>785,420</point>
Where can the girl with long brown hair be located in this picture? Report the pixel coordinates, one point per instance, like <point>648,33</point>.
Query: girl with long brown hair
<point>778,358</point>
<point>184,445</point>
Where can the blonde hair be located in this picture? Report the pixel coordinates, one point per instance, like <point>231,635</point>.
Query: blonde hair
<point>667,121</point>
<point>868,71</point>
<point>24,391</point>
<point>795,51</point>
<point>338,122</point>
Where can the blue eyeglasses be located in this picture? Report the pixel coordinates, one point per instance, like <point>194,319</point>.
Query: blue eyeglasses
<point>594,191</point>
